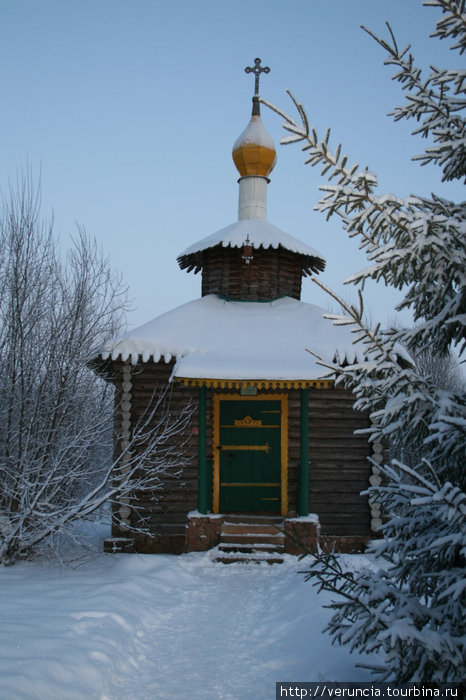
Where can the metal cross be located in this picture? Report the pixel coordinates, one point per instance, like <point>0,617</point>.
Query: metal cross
<point>257,69</point>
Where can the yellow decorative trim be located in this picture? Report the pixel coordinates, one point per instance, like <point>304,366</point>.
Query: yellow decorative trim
<point>284,441</point>
<point>259,383</point>
<point>247,422</point>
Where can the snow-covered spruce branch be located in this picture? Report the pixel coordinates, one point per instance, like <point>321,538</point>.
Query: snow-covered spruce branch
<point>353,198</point>
<point>404,238</point>
<point>434,102</point>
<point>374,218</point>
<point>453,24</point>
<point>406,408</point>
<point>409,604</point>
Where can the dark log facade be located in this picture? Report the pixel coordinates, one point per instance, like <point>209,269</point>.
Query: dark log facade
<point>338,462</point>
<point>271,272</point>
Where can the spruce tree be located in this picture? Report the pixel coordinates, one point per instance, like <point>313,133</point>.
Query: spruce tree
<point>408,606</point>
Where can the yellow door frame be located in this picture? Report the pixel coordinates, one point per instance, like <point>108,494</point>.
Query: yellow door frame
<point>283,398</point>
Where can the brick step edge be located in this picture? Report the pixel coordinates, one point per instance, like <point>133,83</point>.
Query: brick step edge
<point>253,519</point>
<point>242,559</point>
<point>257,547</point>
<point>225,549</point>
<point>251,528</point>
<point>252,539</point>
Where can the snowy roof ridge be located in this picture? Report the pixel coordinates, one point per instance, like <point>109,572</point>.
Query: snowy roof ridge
<point>218,339</point>
<point>260,232</point>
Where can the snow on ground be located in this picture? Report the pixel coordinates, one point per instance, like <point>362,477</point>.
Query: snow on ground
<point>163,626</point>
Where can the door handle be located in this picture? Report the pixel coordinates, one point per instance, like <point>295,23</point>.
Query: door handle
<point>245,448</point>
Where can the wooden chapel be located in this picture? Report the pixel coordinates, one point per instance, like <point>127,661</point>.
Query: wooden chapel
<point>273,460</point>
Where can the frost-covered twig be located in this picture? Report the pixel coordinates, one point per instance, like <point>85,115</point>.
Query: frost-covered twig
<point>55,412</point>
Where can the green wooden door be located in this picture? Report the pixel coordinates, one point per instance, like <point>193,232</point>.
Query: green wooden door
<point>250,456</point>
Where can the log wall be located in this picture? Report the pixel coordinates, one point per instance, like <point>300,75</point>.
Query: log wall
<point>269,275</point>
<point>339,466</point>
<point>339,469</point>
<point>163,511</point>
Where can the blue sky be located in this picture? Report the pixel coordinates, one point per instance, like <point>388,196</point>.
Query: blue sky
<point>129,109</point>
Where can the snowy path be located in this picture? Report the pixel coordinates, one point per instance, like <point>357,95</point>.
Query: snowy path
<point>146,627</point>
<point>223,639</point>
<point>232,632</point>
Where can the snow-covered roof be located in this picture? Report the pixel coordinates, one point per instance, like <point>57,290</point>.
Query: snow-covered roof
<point>260,232</point>
<point>218,339</point>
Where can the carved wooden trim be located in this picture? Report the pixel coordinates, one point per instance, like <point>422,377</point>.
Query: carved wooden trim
<point>247,422</point>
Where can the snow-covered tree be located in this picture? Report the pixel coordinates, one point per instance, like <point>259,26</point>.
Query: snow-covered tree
<point>445,371</point>
<point>410,605</point>
<point>55,411</point>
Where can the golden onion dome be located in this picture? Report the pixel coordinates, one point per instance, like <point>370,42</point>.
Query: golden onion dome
<point>254,151</point>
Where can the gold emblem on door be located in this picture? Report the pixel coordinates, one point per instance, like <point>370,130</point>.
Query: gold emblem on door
<point>247,422</point>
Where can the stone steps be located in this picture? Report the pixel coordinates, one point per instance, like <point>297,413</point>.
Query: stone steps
<point>251,539</point>
<point>267,548</point>
<point>248,528</point>
<point>247,559</point>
